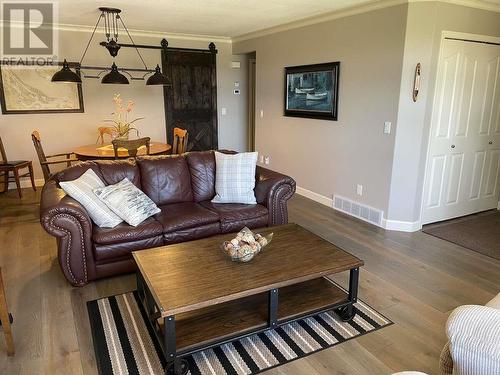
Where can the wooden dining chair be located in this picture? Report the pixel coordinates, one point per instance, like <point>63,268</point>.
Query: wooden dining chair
<point>179,144</point>
<point>103,130</point>
<point>14,166</point>
<point>132,146</point>
<point>44,162</point>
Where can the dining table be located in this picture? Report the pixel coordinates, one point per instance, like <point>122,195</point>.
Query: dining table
<point>105,151</point>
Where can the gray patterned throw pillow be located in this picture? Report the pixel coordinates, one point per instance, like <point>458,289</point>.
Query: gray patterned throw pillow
<point>235,178</point>
<point>127,201</point>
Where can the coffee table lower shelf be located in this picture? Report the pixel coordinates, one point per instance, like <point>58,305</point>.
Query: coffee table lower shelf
<point>201,329</point>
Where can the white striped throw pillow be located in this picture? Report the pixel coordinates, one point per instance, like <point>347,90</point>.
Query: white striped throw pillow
<point>235,178</point>
<point>82,190</point>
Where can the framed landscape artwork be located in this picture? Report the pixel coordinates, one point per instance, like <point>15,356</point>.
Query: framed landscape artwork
<point>29,89</point>
<point>312,91</point>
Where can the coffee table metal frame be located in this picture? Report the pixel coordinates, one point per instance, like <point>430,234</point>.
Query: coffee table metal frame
<point>167,337</point>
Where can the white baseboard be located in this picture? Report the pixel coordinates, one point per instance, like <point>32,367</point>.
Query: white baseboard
<point>402,226</point>
<point>26,183</point>
<point>314,196</point>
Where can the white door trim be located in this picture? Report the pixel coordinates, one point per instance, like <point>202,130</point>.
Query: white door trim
<point>446,34</point>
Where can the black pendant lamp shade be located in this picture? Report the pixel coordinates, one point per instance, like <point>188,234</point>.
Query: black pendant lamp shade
<point>114,76</point>
<point>158,78</point>
<point>66,75</point>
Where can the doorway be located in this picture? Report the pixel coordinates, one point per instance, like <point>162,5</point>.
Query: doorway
<point>463,161</point>
<point>251,102</point>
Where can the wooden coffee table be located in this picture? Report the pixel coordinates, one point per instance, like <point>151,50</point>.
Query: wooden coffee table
<point>195,297</point>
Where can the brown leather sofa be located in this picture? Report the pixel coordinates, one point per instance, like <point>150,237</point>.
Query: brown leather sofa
<point>182,186</point>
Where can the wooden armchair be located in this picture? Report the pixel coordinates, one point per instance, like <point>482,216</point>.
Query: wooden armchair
<point>44,162</point>
<point>180,141</point>
<point>103,130</point>
<point>132,146</point>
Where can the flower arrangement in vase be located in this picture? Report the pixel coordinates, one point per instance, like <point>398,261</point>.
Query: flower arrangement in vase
<point>122,126</point>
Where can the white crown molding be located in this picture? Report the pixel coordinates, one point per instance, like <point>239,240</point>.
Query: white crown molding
<point>363,8</point>
<point>478,4</point>
<point>136,32</point>
<point>351,11</point>
<point>151,34</point>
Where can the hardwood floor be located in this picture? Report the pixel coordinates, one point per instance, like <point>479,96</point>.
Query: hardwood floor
<point>413,278</point>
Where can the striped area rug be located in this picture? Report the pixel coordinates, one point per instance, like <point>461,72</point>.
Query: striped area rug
<point>124,344</point>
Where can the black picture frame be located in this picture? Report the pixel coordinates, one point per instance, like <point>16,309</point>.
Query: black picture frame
<point>307,102</point>
<point>6,111</point>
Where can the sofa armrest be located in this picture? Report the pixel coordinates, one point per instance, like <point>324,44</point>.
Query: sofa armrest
<point>68,221</point>
<point>474,346</point>
<point>273,190</point>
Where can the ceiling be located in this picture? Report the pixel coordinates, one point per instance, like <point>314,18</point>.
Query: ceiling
<point>221,18</point>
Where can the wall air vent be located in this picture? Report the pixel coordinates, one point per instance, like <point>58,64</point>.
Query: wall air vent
<point>361,211</point>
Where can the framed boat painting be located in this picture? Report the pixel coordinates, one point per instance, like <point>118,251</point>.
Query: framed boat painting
<point>28,89</point>
<point>312,91</point>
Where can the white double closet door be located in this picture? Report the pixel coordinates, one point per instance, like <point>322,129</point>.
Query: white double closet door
<point>463,164</point>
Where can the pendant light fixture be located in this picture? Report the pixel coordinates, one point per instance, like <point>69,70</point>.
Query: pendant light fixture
<point>66,75</point>
<point>114,76</point>
<point>112,19</point>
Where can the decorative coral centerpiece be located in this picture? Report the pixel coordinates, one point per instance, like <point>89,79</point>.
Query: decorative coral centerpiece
<point>122,126</point>
<point>245,245</point>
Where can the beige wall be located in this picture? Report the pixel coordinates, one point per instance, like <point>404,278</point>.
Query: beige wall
<point>61,132</point>
<point>330,157</point>
<point>425,24</point>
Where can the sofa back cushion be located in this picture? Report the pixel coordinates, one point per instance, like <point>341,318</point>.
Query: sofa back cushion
<point>114,171</point>
<point>75,171</point>
<point>202,170</point>
<point>165,179</point>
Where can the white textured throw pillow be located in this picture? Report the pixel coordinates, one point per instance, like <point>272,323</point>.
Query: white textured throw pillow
<point>82,190</point>
<point>235,178</point>
<point>127,201</point>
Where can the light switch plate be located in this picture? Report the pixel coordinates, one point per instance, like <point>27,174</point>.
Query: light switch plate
<point>261,113</point>
<point>359,189</point>
<point>387,127</point>
<point>223,111</point>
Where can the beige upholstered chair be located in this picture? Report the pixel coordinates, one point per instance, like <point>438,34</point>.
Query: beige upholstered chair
<point>474,340</point>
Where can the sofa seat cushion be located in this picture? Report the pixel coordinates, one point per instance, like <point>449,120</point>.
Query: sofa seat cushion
<point>178,216</point>
<point>125,233</point>
<point>235,216</point>
<point>109,253</point>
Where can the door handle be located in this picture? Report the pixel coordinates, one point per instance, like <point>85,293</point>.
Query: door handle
<point>452,146</point>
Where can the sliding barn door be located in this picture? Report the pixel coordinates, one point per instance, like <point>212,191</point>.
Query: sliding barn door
<point>462,174</point>
<point>191,101</point>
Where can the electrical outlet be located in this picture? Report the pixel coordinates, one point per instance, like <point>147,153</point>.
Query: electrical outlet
<point>261,113</point>
<point>387,127</point>
<point>261,158</point>
<point>267,160</point>
<point>359,189</point>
